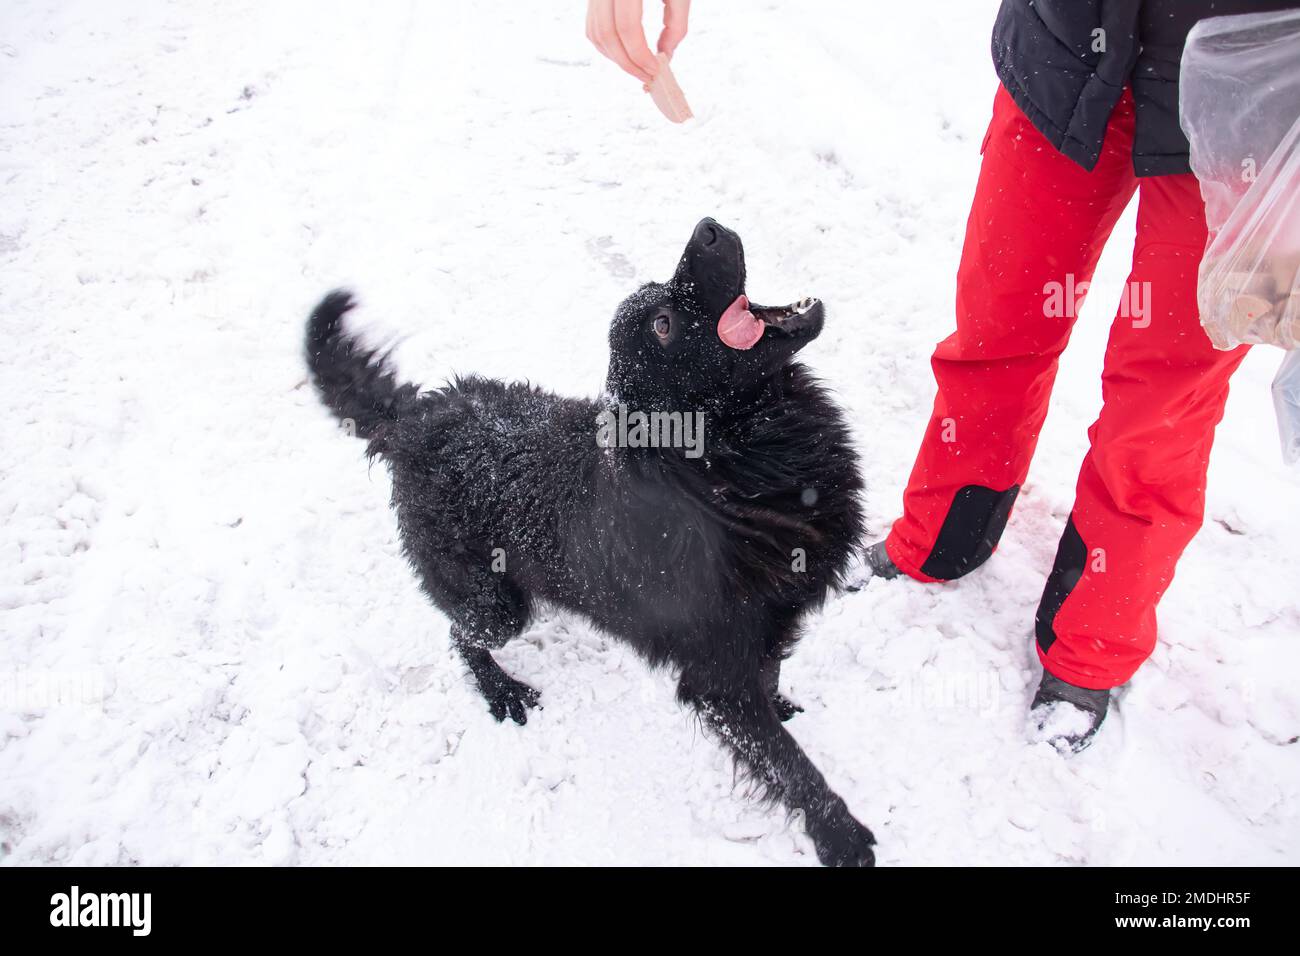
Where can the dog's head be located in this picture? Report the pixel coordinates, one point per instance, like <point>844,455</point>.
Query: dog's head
<point>697,341</point>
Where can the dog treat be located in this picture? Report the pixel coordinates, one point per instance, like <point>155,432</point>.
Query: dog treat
<point>1249,312</point>
<point>1283,270</point>
<point>1217,338</point>
<point>1288,331</point>
<point>1289,309</point>
<point>667,95</point>
<point>1260,306</point>
<point>1288,323</point>
<point>1258,283</point>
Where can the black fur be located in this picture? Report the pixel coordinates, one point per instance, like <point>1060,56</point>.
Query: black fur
<point>506,502</point>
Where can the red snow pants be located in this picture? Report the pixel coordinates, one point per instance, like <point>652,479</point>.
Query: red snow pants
<point>1036,230</point>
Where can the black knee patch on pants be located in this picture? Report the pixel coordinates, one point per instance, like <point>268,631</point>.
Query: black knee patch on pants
<point>1071,557</point>
<point>970,532</point>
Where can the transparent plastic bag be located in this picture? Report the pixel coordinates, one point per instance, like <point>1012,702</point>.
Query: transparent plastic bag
<point>1286,399</point>
<point>1239,105</point>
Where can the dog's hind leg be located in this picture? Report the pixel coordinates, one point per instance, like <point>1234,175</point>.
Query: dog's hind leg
<point>748,724</point>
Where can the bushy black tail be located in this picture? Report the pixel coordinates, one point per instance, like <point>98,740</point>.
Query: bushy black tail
<point>354,382</point>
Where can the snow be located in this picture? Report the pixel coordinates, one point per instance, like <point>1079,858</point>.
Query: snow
<point>1059,724</point>
<point>211,649</point>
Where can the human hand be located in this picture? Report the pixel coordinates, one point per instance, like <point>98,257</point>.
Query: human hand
<point>614,27</point>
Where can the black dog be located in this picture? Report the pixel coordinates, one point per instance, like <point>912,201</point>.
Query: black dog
<point>703,557</point>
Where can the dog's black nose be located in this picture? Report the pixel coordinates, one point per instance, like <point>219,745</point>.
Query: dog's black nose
<point>714,259</point>
<point>706,233</point>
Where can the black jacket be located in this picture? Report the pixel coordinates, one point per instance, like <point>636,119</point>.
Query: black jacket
<point>1067,76</point>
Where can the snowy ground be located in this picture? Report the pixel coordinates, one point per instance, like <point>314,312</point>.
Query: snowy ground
<point>211,650</point>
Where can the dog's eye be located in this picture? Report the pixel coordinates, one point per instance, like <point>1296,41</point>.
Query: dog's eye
<point>663,325</point>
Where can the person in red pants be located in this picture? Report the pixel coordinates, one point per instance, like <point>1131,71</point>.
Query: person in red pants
<point>1069,143</point>
<point>1036,230</point>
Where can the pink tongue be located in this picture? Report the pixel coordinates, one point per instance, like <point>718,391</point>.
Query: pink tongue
<point>738,328</point>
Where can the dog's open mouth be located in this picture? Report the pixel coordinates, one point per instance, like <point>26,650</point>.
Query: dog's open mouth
<point>743,324</point>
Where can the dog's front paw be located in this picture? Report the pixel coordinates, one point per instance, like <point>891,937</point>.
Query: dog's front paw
<point>512,698</point>
<point>785,707</point>
<point>845,842</point>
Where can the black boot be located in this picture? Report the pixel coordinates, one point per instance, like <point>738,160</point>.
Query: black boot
<point>872,563</point>
<point>1066,716</point>
<point>880,563</point>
